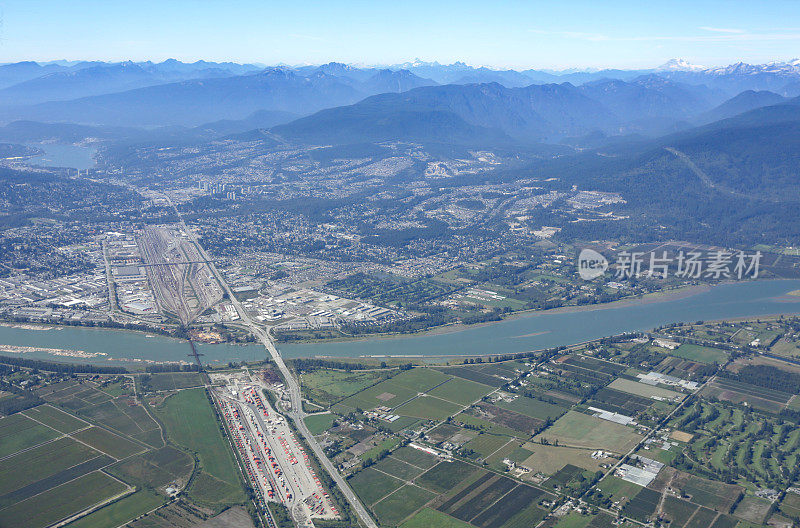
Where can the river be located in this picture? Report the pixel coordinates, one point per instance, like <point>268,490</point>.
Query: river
<point>517,334</point>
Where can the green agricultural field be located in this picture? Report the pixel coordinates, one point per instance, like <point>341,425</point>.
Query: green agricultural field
<point>415,457</point>
<point>533,408</point>
<point>573,520</point>
<point>385,445</point>
<point>41,462</point>
<point>171,381</point>
<point>398,468</point>
<point>700,353</point>
<point>62,501</point>
<point>326,387</point>
<point>19,432</point>
<point>319,423</point>
<point>420,379</point>
<point>384,394</point>
<point>372,485</point>
<point>108,443</point>
<point>642,389</point>
<point>461,391</point>
<point>427,408</point>
<point>469,419</point>
<point>119,512</point>
<point>428,518</point>
<point>190,422</point>
<point>581,430</point>
<point>447,475</point>
<point>617,489</point>
<point>121,415</point>
<point>530,516</point>
<point>549,459</point>
<point>753,509</point>
<point>393,509</point>
<point>443,431</point>
<point>155,469</point>
<point>786,347</point>
<point>791,505</point>
<point>485,444</point>
<point>55,418</point>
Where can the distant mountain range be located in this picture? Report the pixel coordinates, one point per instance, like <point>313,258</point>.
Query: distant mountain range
<point>337,102</point>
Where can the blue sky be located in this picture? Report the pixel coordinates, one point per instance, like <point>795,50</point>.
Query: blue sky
<point>532,34</point>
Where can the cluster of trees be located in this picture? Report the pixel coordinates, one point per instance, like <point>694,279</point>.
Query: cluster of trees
<point>280,514</point>
<point>22,399</point>
<point>310,365</point>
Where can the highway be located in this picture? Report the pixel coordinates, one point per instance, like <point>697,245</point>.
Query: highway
<point>292,385</point>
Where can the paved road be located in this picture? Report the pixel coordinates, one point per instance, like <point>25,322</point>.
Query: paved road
<point>293,388</point>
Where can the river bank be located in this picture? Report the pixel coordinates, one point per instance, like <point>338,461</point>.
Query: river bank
<point>520,333</point>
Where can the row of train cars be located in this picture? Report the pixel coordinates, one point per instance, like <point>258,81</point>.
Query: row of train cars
<point>261,443</point>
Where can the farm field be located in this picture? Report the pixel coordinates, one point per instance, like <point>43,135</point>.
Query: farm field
<point>318,423</point>
<point>534,408</point>
<point>786,348</point>
<point>620,402</point>
<point>479,374</point>
<point>581,430</point>
<point>121,511</point>
<point>18,432</point>
<point>445,476</point>
<point>461,391</point>
<point>496,420</point>
<point>421,393</point>
<point>548,459</point>
<point>484,445</point>
<point>398,469</point>
<point>67,461</point>
<point>448,494</point>
<point>430,518</point>
<point>700,353</point>
<point>121,414</point>
<point>169,381</point>
<point>791,505</point>
<point>62,501</point>
<point>393,509</point>
<point>394,391</point>
<point>108,443</point>
<point>189,420</point>
<point>643,389</point>
<point>371,485</point>
<point>73,463</point>
<point>427,408</point>
<point>327,387</point>
<point>415,457</point>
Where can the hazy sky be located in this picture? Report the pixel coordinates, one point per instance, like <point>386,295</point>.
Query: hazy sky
<point>531,34</point>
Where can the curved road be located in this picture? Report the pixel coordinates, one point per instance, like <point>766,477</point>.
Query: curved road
<point>292,386</point>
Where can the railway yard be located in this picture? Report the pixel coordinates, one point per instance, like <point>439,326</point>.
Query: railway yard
<point>184,285</point>
<point>275,461</point>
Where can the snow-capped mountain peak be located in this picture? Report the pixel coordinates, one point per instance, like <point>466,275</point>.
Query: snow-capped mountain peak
<point>680,65</point>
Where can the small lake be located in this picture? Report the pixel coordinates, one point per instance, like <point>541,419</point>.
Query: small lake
<point>518,334</point>
<point>59,155</point>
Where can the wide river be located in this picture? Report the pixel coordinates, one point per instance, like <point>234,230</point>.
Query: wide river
<point>517,334</point>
